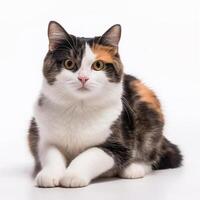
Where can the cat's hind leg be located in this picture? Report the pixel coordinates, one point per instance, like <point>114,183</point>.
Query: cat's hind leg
<point>135,170</point>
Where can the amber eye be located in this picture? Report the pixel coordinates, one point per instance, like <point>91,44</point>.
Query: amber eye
<point>69,64</point>
<point>98,65</point>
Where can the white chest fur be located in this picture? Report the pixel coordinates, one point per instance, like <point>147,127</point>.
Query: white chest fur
<point>75,127</point>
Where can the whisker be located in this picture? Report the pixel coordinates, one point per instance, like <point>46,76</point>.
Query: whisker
<point>124,100</point>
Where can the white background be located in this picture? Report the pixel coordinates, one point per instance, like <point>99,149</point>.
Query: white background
<point>160,44</point>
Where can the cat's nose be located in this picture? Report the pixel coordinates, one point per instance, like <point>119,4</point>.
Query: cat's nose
<point>83,79</point>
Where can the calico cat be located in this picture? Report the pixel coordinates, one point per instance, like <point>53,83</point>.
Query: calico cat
<point>92,119</point>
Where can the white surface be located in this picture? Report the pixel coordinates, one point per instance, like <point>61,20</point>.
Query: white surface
<point>160,44</point>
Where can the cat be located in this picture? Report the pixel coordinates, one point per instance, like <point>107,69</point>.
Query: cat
<point>93,120</point>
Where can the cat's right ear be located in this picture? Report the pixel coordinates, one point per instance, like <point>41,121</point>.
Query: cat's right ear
<point>56,34</point>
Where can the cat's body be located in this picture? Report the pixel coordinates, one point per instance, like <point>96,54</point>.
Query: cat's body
<point>76,125</point>
<point>112,126</point>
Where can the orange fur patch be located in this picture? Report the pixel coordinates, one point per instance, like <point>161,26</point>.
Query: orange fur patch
<point>103,53</point>
<point>148,96</point>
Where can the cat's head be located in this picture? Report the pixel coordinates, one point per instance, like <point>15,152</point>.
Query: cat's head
<point>83,67</point>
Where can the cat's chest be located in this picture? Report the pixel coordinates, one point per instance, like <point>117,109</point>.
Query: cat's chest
<point>74,129</point>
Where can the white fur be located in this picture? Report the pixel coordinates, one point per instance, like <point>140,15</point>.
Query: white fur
<point>73,120</point>
<point>135,170</point>
<point>87,166</point>
<point>78,124</point>
<point>53,167</point>
<point>87,60</point>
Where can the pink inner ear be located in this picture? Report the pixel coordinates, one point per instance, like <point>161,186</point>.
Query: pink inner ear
<point>112,35</point>
<point>56,34</point>
<point>52,46</point>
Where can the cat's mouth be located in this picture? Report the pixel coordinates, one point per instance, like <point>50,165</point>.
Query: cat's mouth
<point>83,89</point>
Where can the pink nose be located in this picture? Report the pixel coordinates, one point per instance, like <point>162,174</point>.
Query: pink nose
<point>83,79</point>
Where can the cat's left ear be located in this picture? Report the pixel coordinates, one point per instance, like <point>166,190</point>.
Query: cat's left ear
<point>56,34</point>
<point>112,35</point>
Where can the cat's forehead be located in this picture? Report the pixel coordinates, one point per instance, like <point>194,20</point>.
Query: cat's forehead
<point>92,47</point>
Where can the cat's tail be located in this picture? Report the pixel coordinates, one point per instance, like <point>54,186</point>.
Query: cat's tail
<point>170,156</point>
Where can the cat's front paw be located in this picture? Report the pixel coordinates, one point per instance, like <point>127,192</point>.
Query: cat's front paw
<point>74,179</point>
<point>48,178</point>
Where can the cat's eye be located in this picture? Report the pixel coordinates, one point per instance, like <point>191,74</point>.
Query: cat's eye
<point>69,64</point>
<point>98,65</point>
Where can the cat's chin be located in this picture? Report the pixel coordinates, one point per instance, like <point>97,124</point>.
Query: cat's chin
<point>85,93</point>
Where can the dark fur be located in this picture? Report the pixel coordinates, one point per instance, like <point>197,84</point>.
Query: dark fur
<point>138,125</point>
<point>33,139</point>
